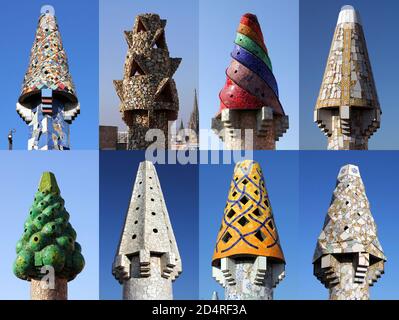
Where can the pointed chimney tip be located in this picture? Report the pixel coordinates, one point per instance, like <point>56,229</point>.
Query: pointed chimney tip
<point>348,14</point>
<point>47,10</point>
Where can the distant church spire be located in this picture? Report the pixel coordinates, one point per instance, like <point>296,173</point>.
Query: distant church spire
<point>193,123</point>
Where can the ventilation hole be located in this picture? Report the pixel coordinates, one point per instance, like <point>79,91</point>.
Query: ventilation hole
<point>140,182</point>
<point>238,52</point>
<point>166,94</point>
<point>234,194</point>
<point>243,221</point>
<point>30,212</point>
<point>226,237</point>
<point>153,213</point>
<point>137,208</point>
<point>136,222</point>
<point>346,228</point>
<point>150,188</point>
<point>256,212</point>
<point>358,214</point>
<point>139,196</point>
<point>256,192</point>
<point>244,182</point>
<point>231,96</point>
<point>155,230</point>
<point>150,177</point>
<point>152,199</point>
<point>235,71</point>
<point>25,230</point>
<point>266,202</point>
<point>260,235</point>
<point>134,236</point>
<point>35,239</point>
<point>53,227</point>
<point>140,27</point>
<point>270,224</point>
<point>347,202</point>
<point>160,42</point>
<point>255,177</point>
<point>244,200</point>
<point>135,70</point>
<point>231,213</point>
<point>235,179</point>
<point>39,218</point>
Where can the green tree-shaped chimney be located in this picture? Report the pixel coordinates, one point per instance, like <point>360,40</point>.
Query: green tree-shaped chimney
<point>48,238</point>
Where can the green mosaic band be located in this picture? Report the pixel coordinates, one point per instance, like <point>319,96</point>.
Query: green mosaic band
<point>254,48</point>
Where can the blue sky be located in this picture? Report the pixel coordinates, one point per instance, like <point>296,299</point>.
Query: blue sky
<point>78,23</point>
<point>279,22</point>
<point>181,37</point>
<point>318,174</point>
<point>180,188</point>
<point>77,176</point>
<point>317,25</point>
<point>281,175</point>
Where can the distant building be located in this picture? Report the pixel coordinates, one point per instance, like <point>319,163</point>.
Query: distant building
<point>108,137</point>
<point>112,139</point>
<point>187,138</point>
<point>193,123</point>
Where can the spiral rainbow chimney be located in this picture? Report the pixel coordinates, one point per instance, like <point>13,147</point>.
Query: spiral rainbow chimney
<point>250,97</point>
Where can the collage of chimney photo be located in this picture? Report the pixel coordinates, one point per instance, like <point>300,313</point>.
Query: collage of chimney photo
<point>199,150</point>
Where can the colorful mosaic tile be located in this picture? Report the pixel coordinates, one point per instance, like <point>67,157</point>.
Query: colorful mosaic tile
<point>348,256</point>
<point>347,109</point>
<point>248,226</point>
<point>250,81</point>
